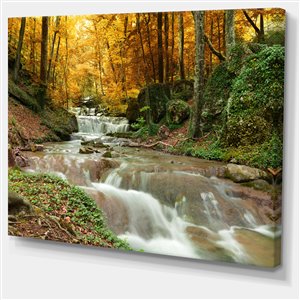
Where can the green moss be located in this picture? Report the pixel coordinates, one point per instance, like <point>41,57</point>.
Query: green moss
<point>177,112</point>
<point>56,197</point>
<point>23,97</point>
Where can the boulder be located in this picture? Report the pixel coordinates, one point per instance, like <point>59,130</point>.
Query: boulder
<point>240,173</point>
<point>17,203</point>
<point>177,111</point>
<point>155,96</point>
<point>183,89</point>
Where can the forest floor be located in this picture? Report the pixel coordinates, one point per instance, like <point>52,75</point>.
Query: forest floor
<point>24,124</point>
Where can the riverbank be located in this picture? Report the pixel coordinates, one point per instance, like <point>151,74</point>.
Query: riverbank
<point>56,211</point>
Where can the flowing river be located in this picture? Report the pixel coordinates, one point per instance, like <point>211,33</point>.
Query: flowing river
<point>166,204</point>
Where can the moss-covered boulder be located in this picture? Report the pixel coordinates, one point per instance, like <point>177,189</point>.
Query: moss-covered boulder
<point>177,111</point>
<point>156,97</point>
<point>182,89</point>
<point>248,130</point>
<point>216,95</point>
<point>255,107</point>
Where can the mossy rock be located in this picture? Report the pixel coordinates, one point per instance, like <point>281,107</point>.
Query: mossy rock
<point>182,89</point>
<point>177,111</point>
<point>159,95</point>
<point>249,130</point>
<point>216,94</point>
<point>22,96</point>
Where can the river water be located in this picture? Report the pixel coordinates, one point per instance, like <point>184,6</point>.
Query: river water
<point>166,204</point>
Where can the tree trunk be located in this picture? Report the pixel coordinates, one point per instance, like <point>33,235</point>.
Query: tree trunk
<point>160,48</point>
<point>146,72</point>
<point>199,73</point>
<point>19,50</point>
<point>259,31</point>
<point>166,19</point>
<point>147,19</point>
<point>172,47</point>
<point>56,61</point>
<point>261,37</point>
<point>181,45</point>
<point>52,47</point>
<point>229,30</point>
<point>44,58</point>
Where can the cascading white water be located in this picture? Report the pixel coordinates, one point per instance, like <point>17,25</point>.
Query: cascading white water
<point>166,211</point>
<point>91,126</point>
<point>151,226</point>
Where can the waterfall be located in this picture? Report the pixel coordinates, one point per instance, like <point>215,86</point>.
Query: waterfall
<point>162,210</point>
<point>151,226</point>
<point>97,126</point>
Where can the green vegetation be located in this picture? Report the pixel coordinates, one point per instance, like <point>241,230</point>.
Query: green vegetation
<point>56,197</point>
<point>23,96</point>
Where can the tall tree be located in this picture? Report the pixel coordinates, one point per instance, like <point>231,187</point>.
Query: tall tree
<point>199,73</point>
<point>172,45</point>
<point>260,32</point>
<point>44,59</point>
<point>229,30</point>
<point>19,50</point>
<point>52,46</point>
<point>147,21</point>
<point>181,45</point>
<point>167,65</point>
<point>160,48</point>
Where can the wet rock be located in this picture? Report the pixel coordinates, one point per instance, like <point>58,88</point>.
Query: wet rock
<point>36,147</point>
<point>177,111</point>
<point>107,154</point>
<point>96,143</point>
<point>17,203</point>
<point>86,150</point>
<point>259,184</point>
<point>240,173</point>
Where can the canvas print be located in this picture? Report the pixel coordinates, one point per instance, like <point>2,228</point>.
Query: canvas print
<point>155,132</point>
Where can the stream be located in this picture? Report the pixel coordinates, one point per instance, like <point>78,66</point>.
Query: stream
<point>161,203</point>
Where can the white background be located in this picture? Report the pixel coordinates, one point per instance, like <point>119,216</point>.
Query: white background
<point>42,269</point>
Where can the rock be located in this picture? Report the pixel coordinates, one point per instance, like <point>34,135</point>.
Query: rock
<point>240,173</point>
<point>36,147</point>
<point>183,89</point>
<point>86,150</point>
<point>133,110</point>
<point>96,143</point>
<point>17,203</point>
<point>177,111</point>
<point>159,95</point>
<point>107,154</point>
<point>259,184</point>
<point>163,132</point>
